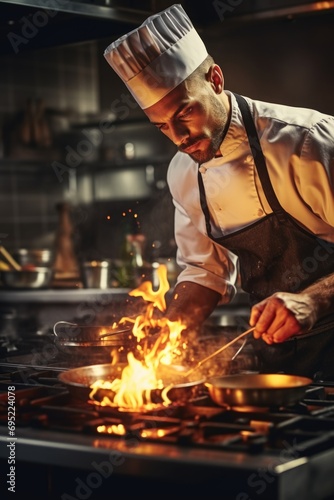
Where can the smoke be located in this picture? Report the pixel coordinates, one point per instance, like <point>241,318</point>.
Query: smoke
<point>202,344</point>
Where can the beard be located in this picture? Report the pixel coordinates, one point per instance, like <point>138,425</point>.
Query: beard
<point>202,156</point>
<point>220,124</point>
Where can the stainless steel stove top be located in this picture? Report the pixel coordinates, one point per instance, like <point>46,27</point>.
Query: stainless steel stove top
<point>78,450</point>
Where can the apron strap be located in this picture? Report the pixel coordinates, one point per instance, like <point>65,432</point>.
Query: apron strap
<point>204,204</point>
<point>259,159</point>
<point>261,168</point>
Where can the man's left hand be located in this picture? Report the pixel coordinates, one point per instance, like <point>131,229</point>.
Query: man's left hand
<point>283,315</point>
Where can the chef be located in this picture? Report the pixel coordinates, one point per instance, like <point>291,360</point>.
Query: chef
<point>253,188</point>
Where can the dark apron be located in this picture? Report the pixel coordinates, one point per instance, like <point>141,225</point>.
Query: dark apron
<point>277,255</point>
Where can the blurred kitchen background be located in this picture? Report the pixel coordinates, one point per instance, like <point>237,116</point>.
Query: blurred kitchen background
<point>71,135</point>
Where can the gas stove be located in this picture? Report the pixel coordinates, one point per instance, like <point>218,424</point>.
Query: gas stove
<point>75,450</point>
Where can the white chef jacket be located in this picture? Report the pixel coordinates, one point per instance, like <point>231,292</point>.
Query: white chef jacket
<point>298,145</point>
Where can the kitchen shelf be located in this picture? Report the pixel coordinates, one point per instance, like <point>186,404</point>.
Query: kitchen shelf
<point>227,315</point>
<point>10,165</point>
<point>61,295</point>
<point>92,10</point>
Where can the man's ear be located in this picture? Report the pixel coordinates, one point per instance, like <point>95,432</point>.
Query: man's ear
<point>216,78</point>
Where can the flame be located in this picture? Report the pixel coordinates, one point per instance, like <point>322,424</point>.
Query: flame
<point>157,297</point>
<point>133,390</point>
<point>115,429</point>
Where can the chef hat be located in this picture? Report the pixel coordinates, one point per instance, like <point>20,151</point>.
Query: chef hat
<point>156,57</point>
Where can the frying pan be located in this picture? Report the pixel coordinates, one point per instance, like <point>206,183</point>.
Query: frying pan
<point>91,340</point>
<point>257,390</point>
<point>73,332</point>
<point>79,380</point>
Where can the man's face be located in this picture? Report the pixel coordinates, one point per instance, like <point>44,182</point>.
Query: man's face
<point>193,117</point>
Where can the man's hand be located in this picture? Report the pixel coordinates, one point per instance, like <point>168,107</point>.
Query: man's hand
<point>282,316</point>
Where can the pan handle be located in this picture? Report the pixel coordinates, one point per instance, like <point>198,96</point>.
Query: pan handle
<point>73,330</point>
<point>64,323</point>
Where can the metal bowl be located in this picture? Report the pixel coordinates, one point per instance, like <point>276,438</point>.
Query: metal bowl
<point>37,278</point>
<point>40,257</point>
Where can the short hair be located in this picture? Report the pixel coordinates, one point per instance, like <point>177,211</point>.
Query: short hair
<point>200,72</point>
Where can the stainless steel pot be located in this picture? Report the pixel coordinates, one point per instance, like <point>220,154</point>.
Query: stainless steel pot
<point>257,390</point>
<point>96,274</point>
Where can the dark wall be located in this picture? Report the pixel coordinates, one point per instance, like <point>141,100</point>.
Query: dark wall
<point>286,60</point>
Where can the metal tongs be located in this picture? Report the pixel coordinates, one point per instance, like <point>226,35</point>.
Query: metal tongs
<point>218,351</point>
